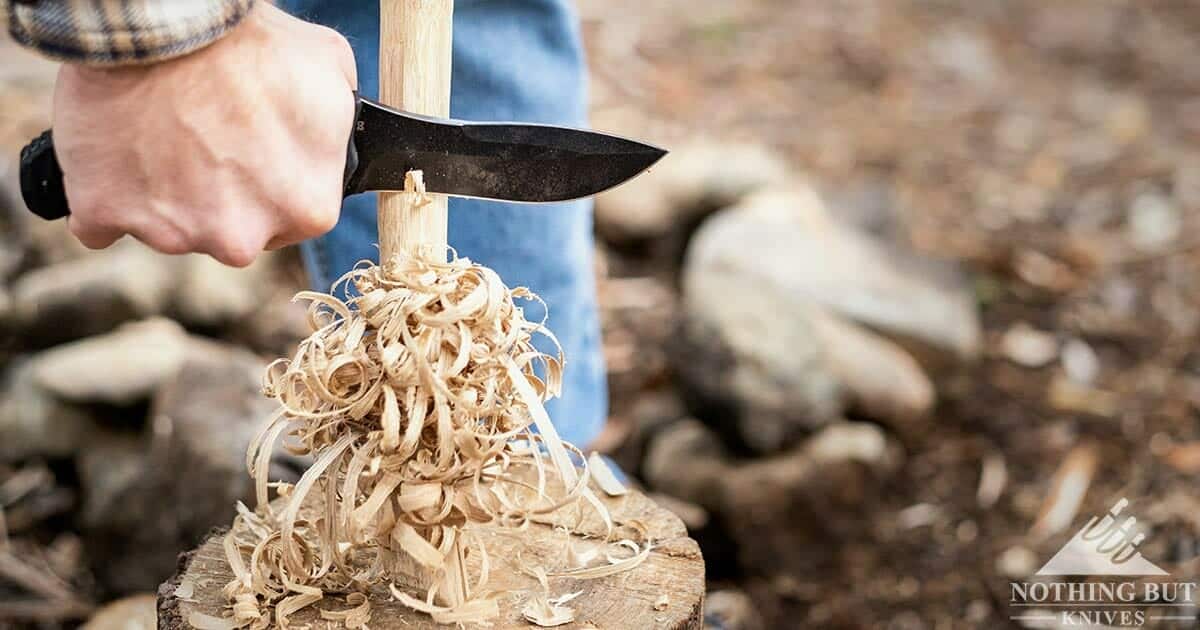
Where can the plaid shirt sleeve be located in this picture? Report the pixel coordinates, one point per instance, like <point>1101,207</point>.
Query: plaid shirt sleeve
<point>121,32</point>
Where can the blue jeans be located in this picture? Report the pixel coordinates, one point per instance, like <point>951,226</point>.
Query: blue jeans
<point>518,60</point>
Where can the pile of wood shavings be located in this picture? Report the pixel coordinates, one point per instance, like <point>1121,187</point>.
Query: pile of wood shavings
<point>418,398</point>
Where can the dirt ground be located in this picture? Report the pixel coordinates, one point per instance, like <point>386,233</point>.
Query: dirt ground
<point>1052,148</point>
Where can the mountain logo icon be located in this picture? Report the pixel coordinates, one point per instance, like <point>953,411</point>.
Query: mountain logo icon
<point>1105,546</point>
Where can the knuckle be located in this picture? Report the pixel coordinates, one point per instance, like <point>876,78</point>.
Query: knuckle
<point>313,220</point>
<point>167,242</point>
<point>89,235</point>
<point>235,252</point>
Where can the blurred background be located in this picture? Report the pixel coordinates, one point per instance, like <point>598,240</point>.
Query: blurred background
<point>916,293</point>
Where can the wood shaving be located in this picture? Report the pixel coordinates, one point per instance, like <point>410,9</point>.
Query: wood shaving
<point>418,395</point>
<point>540,611</point>
<point>604,476</point>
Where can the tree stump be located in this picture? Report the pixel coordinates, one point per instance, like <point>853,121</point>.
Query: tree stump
<point>665,592</point>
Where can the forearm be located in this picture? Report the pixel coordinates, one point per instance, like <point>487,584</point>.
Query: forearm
<point>121,32</point>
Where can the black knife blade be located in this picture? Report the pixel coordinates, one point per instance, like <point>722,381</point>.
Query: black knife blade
<point>505,161</point>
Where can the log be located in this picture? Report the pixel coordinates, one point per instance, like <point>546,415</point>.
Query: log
<point>674,569</point>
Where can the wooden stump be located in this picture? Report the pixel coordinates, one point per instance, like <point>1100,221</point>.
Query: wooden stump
<point>674,569</point>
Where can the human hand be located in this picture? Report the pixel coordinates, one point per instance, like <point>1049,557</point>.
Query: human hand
<point>233,149</point>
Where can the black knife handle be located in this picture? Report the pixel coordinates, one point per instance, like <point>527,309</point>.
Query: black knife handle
<point>42,180</point>
<point>42,177</point>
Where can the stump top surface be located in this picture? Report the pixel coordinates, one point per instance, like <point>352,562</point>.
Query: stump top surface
<point>674,569</point>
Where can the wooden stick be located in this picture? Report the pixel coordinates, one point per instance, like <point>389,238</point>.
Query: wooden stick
<point>414,75</point>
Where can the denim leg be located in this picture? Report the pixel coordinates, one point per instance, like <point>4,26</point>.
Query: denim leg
<point>517,60</point>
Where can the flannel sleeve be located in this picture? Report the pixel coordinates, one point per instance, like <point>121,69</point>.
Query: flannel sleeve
<point>121,32</point>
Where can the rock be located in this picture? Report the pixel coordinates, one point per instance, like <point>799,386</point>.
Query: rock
<point>686,460</point>
<point>1080,362</point>
<point>853,441</point>
<point>789,513</point>
<point>92,294</point>
<point>275,326</point>
<point>210,294</point>
<point>1027,346</point>
<point>776,301</point>
<point>893,389</point>
<point>650,412</point>
<point>119,368</point>
<point>784,241</point>
<point>1016,562</point>
<point>751,363</point>
<point>731,609</point>
<point>1154,222</point>
<point>692,180</point>
<point>53,243</point>
<point>111,465</point>
<point>33,422</point>
<point>692,515</point>
<point>202,422</point>
<point>638,316</point>
<point>136,612</point>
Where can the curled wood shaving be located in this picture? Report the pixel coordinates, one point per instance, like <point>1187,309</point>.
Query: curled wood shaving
<point>614,566</point>
<point>540,611</point>
<point>418,395</point>
<point>356,617</point>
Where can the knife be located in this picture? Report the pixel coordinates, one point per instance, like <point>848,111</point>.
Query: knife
<point>520,162</point>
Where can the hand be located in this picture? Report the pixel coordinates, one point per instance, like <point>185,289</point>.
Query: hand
<point>230,150</point>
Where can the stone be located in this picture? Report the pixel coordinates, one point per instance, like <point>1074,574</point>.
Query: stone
<point>1027,346</point>
<point>894,389</point>
<point>686,460</point>
<point>1016,562</point>
<point>275,327</point>
<point>202,421</point>
<point>691,181</point>
<point>136,612</point>
<point>53,243</point>
<point>649,413</point>
<point>111,465</point>
<point>91,294</point>
<point>1154,222</point>
<point>731,609</point>
<point>788,513</point>
<point>785,241</point>
<point>120,368</point>
<point>33,422</point>
<point>751,363</point>
<point>210,294</point>
<point>1080,362</point>
<point>782,308</point>
<point>853,441</point>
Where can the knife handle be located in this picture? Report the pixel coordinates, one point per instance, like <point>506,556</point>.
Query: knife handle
<point>42,177</point>
<point>42,180</point>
